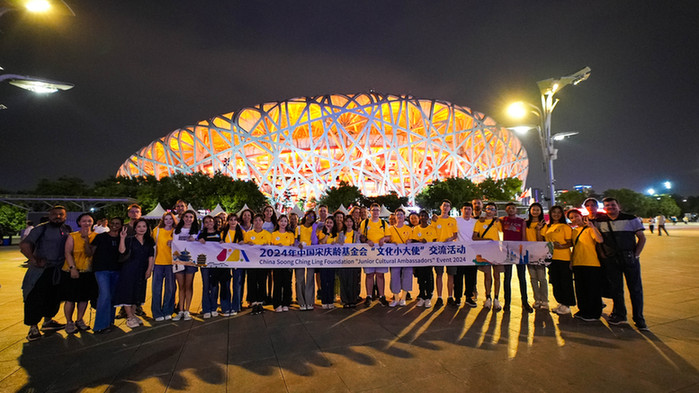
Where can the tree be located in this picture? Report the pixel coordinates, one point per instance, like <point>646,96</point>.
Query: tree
<point>343,194</point>
<point>500,190</point>
<point>64,185</point>
<point>458,190</point>
<point>664,205</point>
<point>571,199</point>
<point>392,201</point>
<point>12,219</point>
<point>630,201</point>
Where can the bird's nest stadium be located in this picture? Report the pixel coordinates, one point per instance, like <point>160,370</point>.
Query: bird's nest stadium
<point>302,146</point>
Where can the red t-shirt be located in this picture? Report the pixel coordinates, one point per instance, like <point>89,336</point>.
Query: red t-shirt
<point>512,228</point>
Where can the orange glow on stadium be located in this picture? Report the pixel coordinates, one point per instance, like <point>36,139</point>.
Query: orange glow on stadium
<point>380,143</point>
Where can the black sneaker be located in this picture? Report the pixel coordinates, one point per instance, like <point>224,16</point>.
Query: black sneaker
<point>367,301</point>
<point>450,301</point>
<point>139,311</point>
<point>408,297</point>
<point>121,314</point>
<point>642,326</point>
<point>457,302</point>
<point>439,303</point>
<point>34,333</point>
<point>526,307</point>
<point>616,320</point>
<point>383,301</point>
<point>507,307</point>
<point>51,325</point>
<point>470,302</point>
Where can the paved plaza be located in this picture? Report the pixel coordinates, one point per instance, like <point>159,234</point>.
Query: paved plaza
<point>376,349</point>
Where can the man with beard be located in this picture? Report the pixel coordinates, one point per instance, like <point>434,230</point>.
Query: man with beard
<point>44,248</point>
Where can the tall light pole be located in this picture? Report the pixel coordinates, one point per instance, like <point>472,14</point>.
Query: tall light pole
<point>548,88</point>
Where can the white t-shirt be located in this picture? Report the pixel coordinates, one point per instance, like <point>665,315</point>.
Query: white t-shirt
<point>466,228</point>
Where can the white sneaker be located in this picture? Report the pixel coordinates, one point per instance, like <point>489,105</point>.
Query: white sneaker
<point>302,307</point>
<point>159,319</point>
<point>214,313</point>
<point>225,314</point>
<point>132,323</point>
<point>285,308</point>
<point>420,302</point>
<point>207,315</point>
<point>187,316</point>
<point>168,317</point>
<point>234,313</point>
<point>402,302</point>
<point>562,310</point>
<point>394,302</point>
<point>278,309</point>
<point>178,316</point>
<point>428,303</point>
<point>496,305</point>
<point>488,303</point>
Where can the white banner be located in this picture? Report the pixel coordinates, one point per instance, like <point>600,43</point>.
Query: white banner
<point>231,255</point>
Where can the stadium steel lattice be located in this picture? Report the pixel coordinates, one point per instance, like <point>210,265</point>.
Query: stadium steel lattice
<point>301,146</point>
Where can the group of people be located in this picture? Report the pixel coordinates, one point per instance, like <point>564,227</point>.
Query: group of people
<point>110,269</point>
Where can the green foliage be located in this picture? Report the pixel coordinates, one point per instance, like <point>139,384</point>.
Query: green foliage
<point>572,199</point>
<point>64,185</point>
<point>630,201</point>
<point>12,219</point>
<point>457,190</point>
<point>344,194</point>
<point>500,190</point>
<point>664,205</point>
<point>392,201</point>
<point>460,190</point>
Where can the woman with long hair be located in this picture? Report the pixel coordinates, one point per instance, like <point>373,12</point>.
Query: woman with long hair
<point>305,286</point>
<point>350,277</point>
<point>257,278</point>
<point>560,270</point>
<point>328,235</point>
<point>163,303</point>
<point>281,236</point>
<point>78,282</point>
<point>232,233</point>
<point>537,273</point>
<point>209,276</point>
<point>187,229</point>
<point>138,252</point>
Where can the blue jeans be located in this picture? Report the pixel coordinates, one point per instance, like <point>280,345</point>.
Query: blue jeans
<point>237,285</point>
<point>163,303</point>
<point>106,282</point>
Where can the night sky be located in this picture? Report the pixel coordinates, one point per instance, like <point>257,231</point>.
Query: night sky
<point>144,68</point>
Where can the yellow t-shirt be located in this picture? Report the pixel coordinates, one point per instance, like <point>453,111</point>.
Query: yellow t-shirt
<point>229,237</point>
<point>494,231</point>
<point>560,233</point>
<point>531,231</point>
<point>400,235</point>
<point>258,238</point>
<point>305,234</point>
<point>584,252</point>
<point>82,262</point>
<point>428,233</point>
<point>445,227</point>
<point>349,237</point>
<point>163,252</point>
<point>375,231</point>
<point>330,238</point>
<point>283,239</point>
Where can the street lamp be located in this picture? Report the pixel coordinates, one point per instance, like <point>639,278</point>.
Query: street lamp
<point>37,7</point>
<point>548,88</point>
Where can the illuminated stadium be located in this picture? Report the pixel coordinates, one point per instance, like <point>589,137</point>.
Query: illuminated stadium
<point>380,143</point>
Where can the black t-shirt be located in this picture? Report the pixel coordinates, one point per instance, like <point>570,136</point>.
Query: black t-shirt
<point>106,255</point>
<point>209,236</point>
